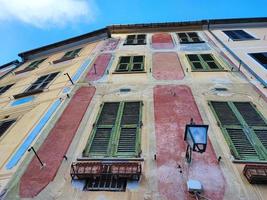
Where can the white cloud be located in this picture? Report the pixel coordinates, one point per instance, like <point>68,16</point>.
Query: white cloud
<point>47,13</point>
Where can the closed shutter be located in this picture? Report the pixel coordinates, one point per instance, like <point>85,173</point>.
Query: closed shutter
<point>116,131</point>
<point>100,144</point>
<point>244,148</point>
<point>4,125</point>
<point>130,124</point>
<point>244,129</point>
<point>250,115</point>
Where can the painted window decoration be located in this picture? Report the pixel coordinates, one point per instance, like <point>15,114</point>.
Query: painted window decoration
<point>38,86</point>
<point>130,64</point>
<point>33,65</point>
<point>236,35</point>
<point>68,56</point>
<point>139,39</point>
<point>116,132</point>
<point>260,58</point>
<point>244,128</point>
<point>203,62</point>
<point>3,89</point>
<point>4,125</point>
<point>189,37</point>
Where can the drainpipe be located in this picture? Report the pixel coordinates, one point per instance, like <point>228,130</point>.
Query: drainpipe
<point>263,82</point>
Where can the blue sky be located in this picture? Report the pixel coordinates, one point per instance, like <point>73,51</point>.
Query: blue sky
<point>28,24</point>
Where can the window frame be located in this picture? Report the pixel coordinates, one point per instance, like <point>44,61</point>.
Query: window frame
<point>135,40</point>
<point>204,64</point>
<point>5,88</point>
<point>112,149</point>
<point>189,39</point>
<point>257,60</point>
<point>130,65</point>
<point>28,91</point>
<point>235,32</point>
<point>13,120</point>
<point>249,132</point>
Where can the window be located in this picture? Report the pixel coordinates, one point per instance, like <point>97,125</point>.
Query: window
<point>238,35</point>
<point>4,125</point>
<point>3,89</point>
<point>131,64</point>
<point>116,131</point>
<point>68,56</point>
<point>203,62</point>
<point>35,64</point>
<point>31,66</point>
<point>189,37</point>
<point>38,86</point>
<point>244,128</point>
<point>260,58</point>
<point>106,183</point>
<point>135,39</point>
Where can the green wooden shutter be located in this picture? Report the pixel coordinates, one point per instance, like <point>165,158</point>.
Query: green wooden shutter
<point>244,129</point>
<point>249,113</point>
<point>103,130</point>
<point>243,149</point>
<point>128,139</point>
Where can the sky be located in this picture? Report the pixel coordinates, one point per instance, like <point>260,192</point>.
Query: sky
<point>29,24</point>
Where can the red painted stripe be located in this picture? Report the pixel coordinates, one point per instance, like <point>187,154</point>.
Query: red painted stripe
<point>174,106</point>
<point>34,180</point>
<point>101,64</point>
<point>167,66</point>
<point>162,41</point>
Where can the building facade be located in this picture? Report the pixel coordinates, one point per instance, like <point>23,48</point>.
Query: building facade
<point>103,115</point>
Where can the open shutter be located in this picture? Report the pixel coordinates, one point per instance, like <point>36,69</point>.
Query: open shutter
<point>102,133</point>
<point>128,143</point>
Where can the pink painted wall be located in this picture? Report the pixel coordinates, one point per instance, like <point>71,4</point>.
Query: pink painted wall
<point>110,44</point>
<point>35,179</point>
<point>101,64</point>
<point>162,41</point>
<point>174,106</point>
<point>167,66</point>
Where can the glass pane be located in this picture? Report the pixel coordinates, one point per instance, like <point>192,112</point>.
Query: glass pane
<point>197,65</point>
<point>123,67</point>
<point>125,59</point>
<point>138,59</point>
<point>207,57</point>
<point>193,57</point>
<point>212,65</point>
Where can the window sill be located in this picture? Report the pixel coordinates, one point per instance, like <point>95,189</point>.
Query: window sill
<point>63,59</point>
<point>219,70</point>
<point>25,94</point>
<point>249,161</point>
<point>240,40</point>
<point>130,72</point>
<point>133,44</point>
<point>200,42</point>
<point>23,71</point>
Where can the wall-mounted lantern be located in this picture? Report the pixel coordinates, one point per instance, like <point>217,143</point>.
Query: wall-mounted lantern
<point>196,137</point>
